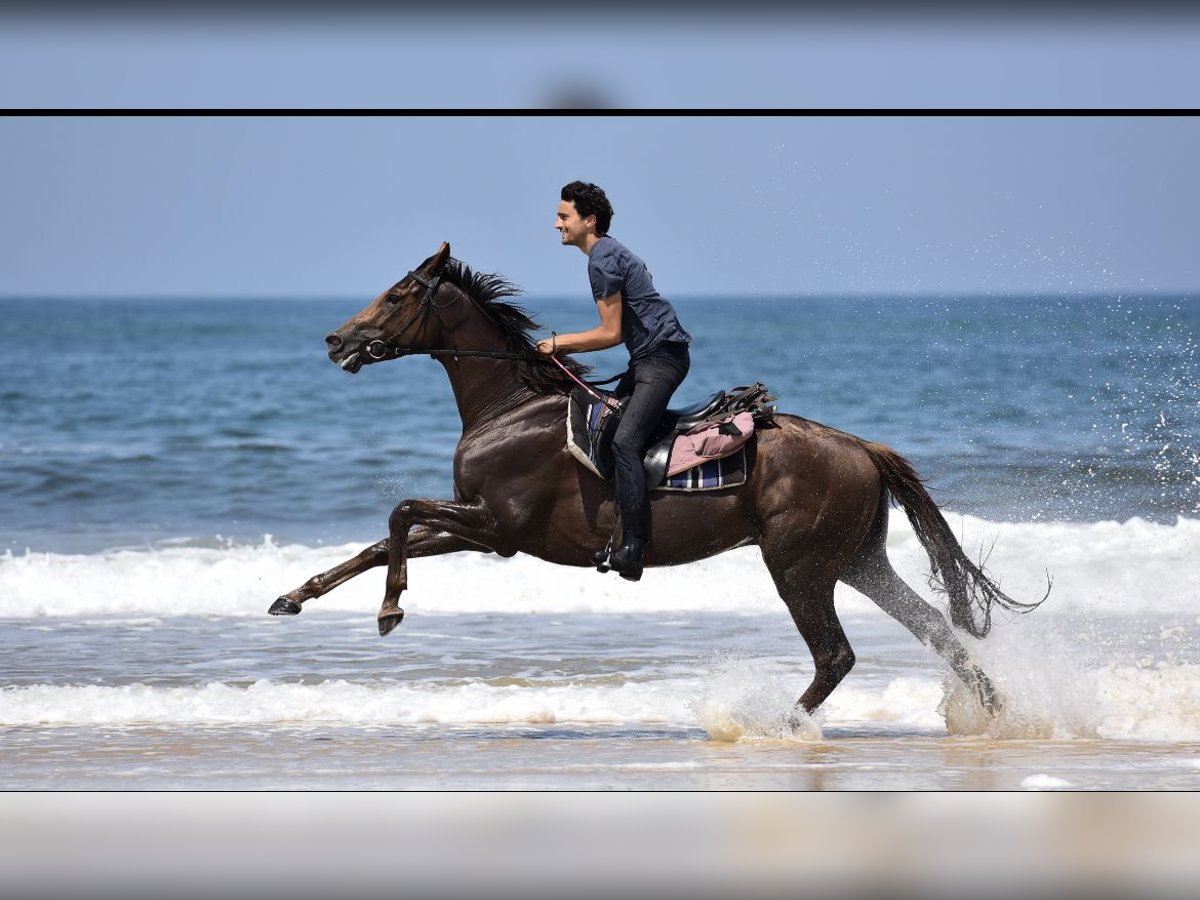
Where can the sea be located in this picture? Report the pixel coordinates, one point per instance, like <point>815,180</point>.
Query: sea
<point>169,466</point>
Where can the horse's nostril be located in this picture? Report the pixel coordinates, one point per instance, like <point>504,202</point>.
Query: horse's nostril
<point>333,341</point>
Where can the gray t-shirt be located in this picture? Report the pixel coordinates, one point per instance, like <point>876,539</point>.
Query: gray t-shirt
<point>647,318</point>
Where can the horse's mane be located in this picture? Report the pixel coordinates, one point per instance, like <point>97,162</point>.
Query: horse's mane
<point>539,375</point>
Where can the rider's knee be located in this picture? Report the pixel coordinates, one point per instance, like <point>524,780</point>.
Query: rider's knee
<point>624,446</point>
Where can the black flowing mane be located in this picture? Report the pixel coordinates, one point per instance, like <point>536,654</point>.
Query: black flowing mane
<point>539,375</point>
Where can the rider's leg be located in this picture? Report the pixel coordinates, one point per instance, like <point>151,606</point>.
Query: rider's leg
<point>654,380</point>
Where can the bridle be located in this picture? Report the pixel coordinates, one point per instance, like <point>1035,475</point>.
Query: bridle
<point>378,349</point>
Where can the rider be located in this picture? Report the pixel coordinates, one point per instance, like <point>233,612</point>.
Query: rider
<point>630,310</point>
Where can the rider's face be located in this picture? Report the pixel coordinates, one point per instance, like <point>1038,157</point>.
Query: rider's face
<point>572,228</point>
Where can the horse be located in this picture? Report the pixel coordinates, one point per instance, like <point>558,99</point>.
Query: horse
<point>815,501</point>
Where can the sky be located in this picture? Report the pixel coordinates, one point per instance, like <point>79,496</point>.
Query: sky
<point>774,205</point>
<point>705,54</point>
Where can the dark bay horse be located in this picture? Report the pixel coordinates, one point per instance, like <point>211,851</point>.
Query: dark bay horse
<point>816,500</point>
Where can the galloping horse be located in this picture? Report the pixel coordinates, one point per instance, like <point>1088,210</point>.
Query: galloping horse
<point>815,501</point>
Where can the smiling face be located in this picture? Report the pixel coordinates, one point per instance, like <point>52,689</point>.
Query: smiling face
<point>574,230</point>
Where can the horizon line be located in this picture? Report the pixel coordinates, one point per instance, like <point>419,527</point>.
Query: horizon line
<point>971,294</point>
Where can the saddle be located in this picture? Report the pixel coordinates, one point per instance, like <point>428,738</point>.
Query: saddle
<point>687,438</point>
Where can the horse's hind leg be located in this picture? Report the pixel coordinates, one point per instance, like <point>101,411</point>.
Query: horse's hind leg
<point>872,574</point>
<point>422,542</point>
<point>808,593</point>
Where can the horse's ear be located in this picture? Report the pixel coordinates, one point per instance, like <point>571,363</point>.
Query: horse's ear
<point>435,262</point>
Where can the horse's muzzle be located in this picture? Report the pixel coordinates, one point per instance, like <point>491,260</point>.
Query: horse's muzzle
<point>352,349</point>
<point>349,362</point>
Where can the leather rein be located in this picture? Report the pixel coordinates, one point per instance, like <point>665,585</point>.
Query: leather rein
<point>379,350</point>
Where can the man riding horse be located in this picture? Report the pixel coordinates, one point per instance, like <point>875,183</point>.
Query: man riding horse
<point>815,499</point>
<point>631,310</point>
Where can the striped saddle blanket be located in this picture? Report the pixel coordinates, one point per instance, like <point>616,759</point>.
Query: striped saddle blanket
<point>704,451</point>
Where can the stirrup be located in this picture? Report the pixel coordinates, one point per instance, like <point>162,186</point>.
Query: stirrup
<point>600,557</point>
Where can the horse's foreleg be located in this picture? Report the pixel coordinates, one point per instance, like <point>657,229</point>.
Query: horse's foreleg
<point>319,585</point>
<point>422,542</point>
<point>470,524</point>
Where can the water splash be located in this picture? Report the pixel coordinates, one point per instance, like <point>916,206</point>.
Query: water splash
<point>1148,401</point>
<point>744,700</point>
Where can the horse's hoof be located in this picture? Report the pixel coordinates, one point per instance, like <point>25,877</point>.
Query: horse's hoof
<point>389,621</point>
<point>989,697</point>
<point>284,607</point>
<point>994,704</point>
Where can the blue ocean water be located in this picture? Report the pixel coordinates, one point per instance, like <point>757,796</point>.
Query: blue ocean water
<point>147,447</point>
<point>135,422</point>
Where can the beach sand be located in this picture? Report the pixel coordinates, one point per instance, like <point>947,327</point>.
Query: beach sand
<point>576,757</point>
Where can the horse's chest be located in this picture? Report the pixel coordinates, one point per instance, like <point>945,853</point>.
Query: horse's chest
<point>505,464</point>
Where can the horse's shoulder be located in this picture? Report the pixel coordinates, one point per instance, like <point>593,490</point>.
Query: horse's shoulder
<point>527,430</point>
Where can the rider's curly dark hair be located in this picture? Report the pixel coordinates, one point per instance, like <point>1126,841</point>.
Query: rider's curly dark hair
<point>589,200</point>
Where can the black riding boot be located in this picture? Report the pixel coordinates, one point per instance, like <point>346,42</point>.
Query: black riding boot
<point>626,560</point>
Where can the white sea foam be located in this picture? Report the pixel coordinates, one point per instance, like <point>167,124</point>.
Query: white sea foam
<point>907,702</point>
<point>340,703</point>
<point>1104,567</point>
<point>1122,703</point>
<point>1042,782</point>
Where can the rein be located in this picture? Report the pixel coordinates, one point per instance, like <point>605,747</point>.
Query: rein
<point>611,401</point>
<point>378,350</point>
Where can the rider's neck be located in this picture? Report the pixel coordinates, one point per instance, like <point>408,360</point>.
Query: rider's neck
<point>589,241</point>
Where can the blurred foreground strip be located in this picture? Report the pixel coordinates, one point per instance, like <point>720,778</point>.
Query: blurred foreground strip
<point>290,845</point>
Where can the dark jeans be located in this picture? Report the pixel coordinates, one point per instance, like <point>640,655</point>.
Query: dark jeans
<point>649,384</point>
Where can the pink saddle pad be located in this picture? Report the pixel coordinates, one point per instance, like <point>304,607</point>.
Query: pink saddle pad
<point>706,443</point>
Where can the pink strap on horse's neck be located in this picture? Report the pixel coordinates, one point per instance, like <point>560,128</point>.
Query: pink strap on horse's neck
<point>609,400</point>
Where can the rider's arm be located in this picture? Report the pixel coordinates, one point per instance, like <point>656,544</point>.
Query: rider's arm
<point>606,334</point>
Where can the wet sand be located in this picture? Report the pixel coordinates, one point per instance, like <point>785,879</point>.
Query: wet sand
<point>566,757</point>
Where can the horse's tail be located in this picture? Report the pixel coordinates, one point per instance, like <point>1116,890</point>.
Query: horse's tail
<point>972,594</point>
